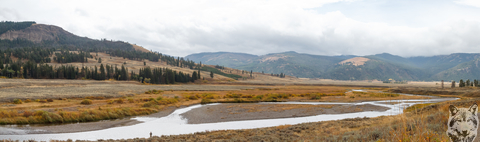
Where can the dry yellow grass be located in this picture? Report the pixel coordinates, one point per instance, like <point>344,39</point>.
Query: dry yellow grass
<point>139,48</point>
<point>357,61</point>
<point>152,100</point>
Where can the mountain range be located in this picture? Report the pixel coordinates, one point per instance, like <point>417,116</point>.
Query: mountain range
<point>350,67</point>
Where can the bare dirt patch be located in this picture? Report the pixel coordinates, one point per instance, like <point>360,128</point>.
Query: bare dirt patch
<point>236,112</point>
<point>357,61</point>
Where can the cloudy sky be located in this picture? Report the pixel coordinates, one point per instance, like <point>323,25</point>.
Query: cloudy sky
<point>322,27</point>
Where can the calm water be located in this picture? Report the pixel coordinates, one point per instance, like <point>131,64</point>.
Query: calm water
<point>174,124</point>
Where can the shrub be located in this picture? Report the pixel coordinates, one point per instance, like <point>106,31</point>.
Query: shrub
<point>206,101</point>
<point>43,101</point>
<point>27,113</point>
<point>193,97</point>
<point>49,100</point>
<point>207,96</point>
<point>120,101</point>
<point>17,101</point>
<point>86,102</point>
<point>159,98</point>
<point>95,98</point>
<point>130,100</point>
<point>28,100</point>
<point>259,97</point>
<point>149,104</point>
<point>315,97</point>
<point>110,101</point>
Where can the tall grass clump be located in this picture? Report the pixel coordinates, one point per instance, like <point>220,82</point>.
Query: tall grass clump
<point>17,101</point>
<point>86,102</point>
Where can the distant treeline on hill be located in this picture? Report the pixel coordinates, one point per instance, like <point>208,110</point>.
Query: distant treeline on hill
<point>9,25</point>
<point>44,71</point>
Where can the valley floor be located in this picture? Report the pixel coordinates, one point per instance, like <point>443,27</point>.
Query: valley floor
<point>136,96</point>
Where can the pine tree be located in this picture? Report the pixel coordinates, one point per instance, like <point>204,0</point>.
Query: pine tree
<point>194,76</point>
<point>461,83</point>
<point>198,73</point>
<point>123,73</point>
<point>211,74</point>
<point>467,83</point>
<point>453,84</point>
<point>99,60</point>
<point>108,71</point>
<point>95,74</point>
<point>102,72</point>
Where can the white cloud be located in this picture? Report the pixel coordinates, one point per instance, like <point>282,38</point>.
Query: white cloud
<point>474,3</point>
<point>261,26</point>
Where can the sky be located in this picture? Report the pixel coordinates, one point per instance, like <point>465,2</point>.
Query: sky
<point>321,27</point>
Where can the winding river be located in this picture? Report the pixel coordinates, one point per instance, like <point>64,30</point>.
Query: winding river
<point>174,124</point>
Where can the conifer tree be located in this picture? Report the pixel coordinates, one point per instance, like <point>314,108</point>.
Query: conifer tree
<point>108,71</point>
<point>198,74</point>
<point>102,72</point>
<point>211,74</point>
<point>453,84</point>
<point>123,73</point>
<point>194,76</point>
<point>95,74</point>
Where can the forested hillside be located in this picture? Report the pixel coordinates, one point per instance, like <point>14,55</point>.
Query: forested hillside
<point>26,47</point>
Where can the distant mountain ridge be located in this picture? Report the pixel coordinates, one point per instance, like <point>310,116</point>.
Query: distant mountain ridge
<point>380,66</point>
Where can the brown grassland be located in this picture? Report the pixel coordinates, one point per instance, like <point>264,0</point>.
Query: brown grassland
<point>93,108</point>
<point>418,123</point>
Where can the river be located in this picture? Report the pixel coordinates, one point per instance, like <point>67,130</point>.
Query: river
<point>174,124</point>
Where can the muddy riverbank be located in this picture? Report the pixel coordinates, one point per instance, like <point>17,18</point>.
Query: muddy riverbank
<point>237,112</point>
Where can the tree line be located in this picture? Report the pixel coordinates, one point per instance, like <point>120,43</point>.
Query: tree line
<point>466,83</point>
<point>9,25</point>
<point>103,72</point>
<point>164,76</point>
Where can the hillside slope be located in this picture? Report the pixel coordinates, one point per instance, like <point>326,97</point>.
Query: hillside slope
<point>227,59</point>
<point>375,69</point>
<point>293,64</point>
<point>40,35</point>
<point>467,70</point>
<point>380,66</point>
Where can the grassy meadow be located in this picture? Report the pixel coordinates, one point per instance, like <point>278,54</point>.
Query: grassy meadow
<point>95,108</point>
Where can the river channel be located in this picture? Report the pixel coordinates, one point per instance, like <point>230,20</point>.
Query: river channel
<point>175,124</point>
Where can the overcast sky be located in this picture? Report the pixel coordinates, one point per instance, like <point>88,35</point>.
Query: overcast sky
<point>322,27</point>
